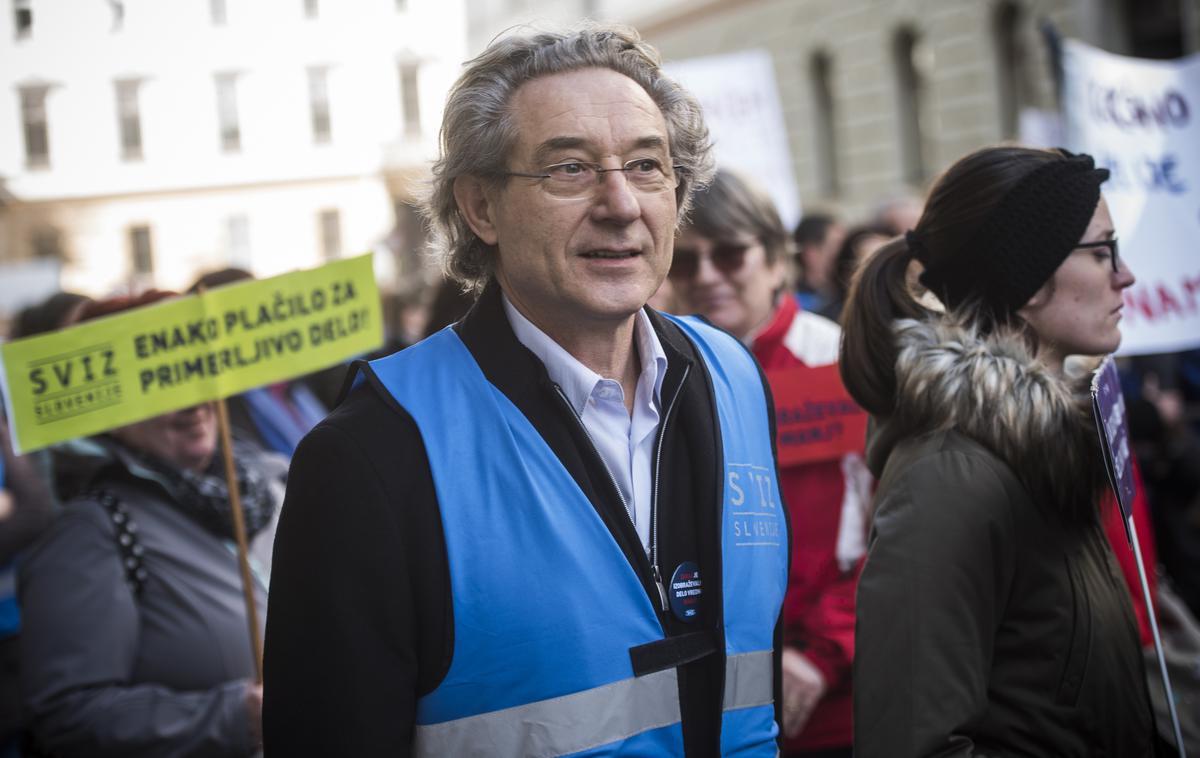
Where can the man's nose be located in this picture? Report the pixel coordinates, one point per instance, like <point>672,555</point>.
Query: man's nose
<point>616,200</point>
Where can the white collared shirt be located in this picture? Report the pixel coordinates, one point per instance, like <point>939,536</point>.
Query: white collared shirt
<point>625,444</point>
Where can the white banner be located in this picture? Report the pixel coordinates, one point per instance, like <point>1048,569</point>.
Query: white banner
<point>745,119</point>
<point>1141,119</point>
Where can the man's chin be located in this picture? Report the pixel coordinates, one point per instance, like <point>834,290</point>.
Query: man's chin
<point>619,310</point>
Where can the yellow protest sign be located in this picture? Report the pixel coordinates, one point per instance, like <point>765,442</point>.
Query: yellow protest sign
<point>124,368</point>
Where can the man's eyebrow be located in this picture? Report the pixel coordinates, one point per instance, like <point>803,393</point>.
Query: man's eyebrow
<point>654,142</point>
<point>554,144</point>
<point>543,151</point>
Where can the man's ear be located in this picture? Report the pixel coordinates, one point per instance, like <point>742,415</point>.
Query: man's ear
<point>476,207</point>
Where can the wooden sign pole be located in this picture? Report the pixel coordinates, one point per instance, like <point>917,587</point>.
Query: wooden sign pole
<point>239,532</point>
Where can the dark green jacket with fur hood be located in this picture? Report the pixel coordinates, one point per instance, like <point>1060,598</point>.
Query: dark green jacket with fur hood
<point>992,617</point>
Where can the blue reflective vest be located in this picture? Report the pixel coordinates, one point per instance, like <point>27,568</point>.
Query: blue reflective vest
<point>547,607</point>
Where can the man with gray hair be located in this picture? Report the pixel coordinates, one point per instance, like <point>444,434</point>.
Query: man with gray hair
<point>555,527</point>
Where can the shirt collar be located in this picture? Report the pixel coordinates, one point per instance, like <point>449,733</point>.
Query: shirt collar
<point>577,380</point>
<point>651,353</point>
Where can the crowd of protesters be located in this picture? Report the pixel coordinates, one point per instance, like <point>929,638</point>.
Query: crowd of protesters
<point>958,583</point>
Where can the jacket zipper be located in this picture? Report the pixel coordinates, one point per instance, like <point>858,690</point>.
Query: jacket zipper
<point>662,428</point>
<point>662,433</point>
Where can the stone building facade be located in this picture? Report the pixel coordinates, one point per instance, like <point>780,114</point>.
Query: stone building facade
<point>879,96</point>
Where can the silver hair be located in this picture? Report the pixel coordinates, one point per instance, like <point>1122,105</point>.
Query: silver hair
<point>478,132</point>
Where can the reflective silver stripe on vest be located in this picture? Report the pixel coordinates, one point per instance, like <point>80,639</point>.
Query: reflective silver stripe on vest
<point>749,680</point>
<point>560,725</point>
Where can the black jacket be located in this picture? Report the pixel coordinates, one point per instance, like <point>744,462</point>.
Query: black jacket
<point>360,622</point>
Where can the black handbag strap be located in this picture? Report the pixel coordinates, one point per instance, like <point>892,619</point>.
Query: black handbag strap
<point>128,543</point>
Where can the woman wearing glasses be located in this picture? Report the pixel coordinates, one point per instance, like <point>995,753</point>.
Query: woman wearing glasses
<point>992,619</point>
<point>730,266</point>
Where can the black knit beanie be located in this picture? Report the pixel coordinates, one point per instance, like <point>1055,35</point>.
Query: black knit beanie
<point>1019,247</point>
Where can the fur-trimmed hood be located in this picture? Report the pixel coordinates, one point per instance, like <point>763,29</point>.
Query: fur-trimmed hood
<point>991,389</point>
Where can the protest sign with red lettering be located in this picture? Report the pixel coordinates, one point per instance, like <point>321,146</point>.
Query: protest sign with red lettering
<point>815,418</point>
<point>1139,118</point>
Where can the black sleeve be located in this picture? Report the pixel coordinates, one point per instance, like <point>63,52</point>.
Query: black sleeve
<point>358,616</point>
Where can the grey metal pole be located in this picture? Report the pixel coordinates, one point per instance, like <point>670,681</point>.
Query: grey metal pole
<point>1158,648</point>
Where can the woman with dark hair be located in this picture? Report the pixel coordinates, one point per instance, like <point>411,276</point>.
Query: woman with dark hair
<point>992,618</point>
<point>729,266</point>
<point>54,312</point>
<point>135,638</point>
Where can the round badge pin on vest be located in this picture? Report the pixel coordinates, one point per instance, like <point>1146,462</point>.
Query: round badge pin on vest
<point>684,592</point>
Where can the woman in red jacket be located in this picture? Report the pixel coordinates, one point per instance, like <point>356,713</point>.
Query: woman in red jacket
<point>730,266</point>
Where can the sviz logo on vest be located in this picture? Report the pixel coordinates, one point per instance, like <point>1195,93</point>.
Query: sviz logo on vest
<point>751,505</point>
<point>74,383</point>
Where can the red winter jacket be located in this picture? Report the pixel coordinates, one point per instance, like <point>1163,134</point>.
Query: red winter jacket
<point>823,499</point>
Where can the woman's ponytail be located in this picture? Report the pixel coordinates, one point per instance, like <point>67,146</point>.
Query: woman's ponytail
<point>879,294</point>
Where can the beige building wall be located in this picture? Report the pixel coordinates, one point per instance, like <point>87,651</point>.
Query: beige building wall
<point>956,59</point>
<point>190,230</point>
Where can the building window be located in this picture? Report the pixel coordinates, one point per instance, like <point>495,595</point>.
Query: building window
<point>141,252</point>
<point>1011,89</point>
<point>410,99</point>
<point>46,242</point>
<point>34,127</point>
<point>911,63</point>
<point>227,113</point>
<point>237,241</point>
<point>129,119</point>
<point>310,8</point>
<point>118,14</point>
<point>23,18</point>
<point>318,104</point>
<point>329,222</point>
<point>216,12</point>
<point>820,76</point>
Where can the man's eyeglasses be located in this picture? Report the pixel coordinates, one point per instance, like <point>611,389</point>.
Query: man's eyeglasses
<point>1114,257</point>
<point>727,257</point>
<point>579,178</point>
